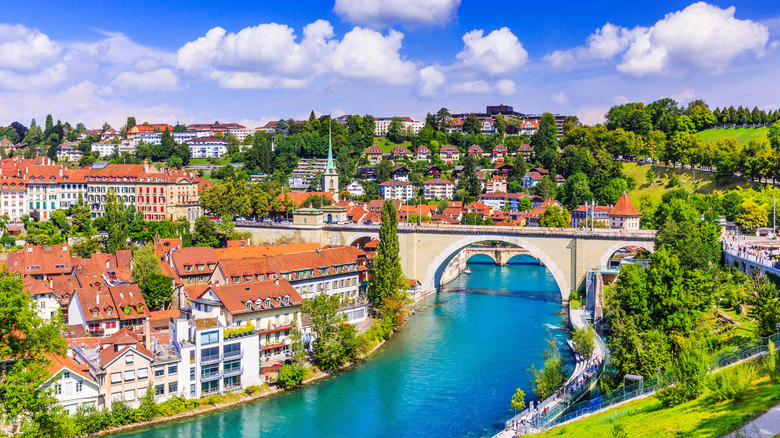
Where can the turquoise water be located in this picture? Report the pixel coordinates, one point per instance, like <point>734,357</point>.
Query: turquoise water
<point>449,372</point>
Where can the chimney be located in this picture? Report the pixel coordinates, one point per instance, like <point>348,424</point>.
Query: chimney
<point>51,283</point>
<point>60,172</point>
<point>146,166</point>
<point>147,334</point>
<point>97,298</point>
<point>276,281</point>
<point>108,263</point>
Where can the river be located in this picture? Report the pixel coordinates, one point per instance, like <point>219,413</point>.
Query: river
<point>449,372</point>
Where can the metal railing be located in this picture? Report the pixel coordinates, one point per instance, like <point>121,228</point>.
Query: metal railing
<point>748,350</point>
<point>210,358</point>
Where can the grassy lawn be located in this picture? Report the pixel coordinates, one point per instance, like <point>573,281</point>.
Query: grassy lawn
<point>387,146</point>
<point>742,135</point>
<point>220,161</point>
<point>698,418</point>
<point>703,183</point>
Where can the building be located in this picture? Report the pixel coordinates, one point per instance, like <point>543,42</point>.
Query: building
<point>499,153</point>
<point>70,384</point>
<point>307,172</point>
<point>330,178</point>
<point>624,215</point>
<point>525,151</point>
<point>528,127</point>
<point>422,153</point>
<point>496,184</point>
<point>103,310</point>
<point>534,177</point>
<point>399,153</point>
<point>148,129</point>
<point>14,195</point>
<point>214,359</point>
<point>449,154</point>
<point>270,307</point>
<point>155,138</point>
<point>501,201</point>
<point>399,173</point>
<point>67,153</point>
<point>382,124</point>
<point>434,189</point>
<point>108,148</point>
<point>475,151</point>
<point>207,147</point>
<point>536,213</point>
<point>583,214</point>
<point>355,189</point>
<point>401,190</point>
<point>374,155</point>
<point>45,302</point>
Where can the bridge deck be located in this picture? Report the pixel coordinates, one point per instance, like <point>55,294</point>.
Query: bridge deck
<point>603,233</point>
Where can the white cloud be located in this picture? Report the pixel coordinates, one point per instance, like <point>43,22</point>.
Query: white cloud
<point>431,80</point>
<point>685,95</point>
<point>560,98</point>
<point>592,115</point>
<point>383,13</point>
<point>620,100</point>
<point>604,44</point>
<point>157,80</point>
<point>498,53</point>
<point>367,54</point>
<point>26,50</point>
<point>469,87</point>
<point>268,56</point>
<point>701,37</point>
<point>117,49</point>
<point>506,87</point>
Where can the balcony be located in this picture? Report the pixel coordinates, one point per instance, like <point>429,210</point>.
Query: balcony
<point>207,376</point>
<point>234,354</point>
<point>210,359</point>
<point>233,371</point>
<point>209,391</point>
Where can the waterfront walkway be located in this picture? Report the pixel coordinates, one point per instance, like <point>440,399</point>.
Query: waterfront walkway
<point>765,426</point>
<point>581,377</point>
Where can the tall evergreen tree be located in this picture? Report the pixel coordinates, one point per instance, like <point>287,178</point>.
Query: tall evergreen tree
<point>117,224</point>
<point>388,275</point>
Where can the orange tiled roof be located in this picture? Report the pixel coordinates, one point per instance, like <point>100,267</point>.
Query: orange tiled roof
<point>235,297</point>
<point>624,207</point>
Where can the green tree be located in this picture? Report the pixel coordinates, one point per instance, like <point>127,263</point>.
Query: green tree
<point>550,378</point>
<point>752,216</point>
<point>227,199</point>
<point>386,266</point>
<point>469,181</point>
<point>576,191</point>
<point>765,305</point>
<point>81,217</point>
<point>500,123</point>
<point>26,341</point>
<point>518,401</point>
<point>544,142</point>
<point>471,125</point>
<point>322,310</point>
<point>130,123</point>
<point>584,339</point>
<point>554,216</point>
<point>117,224</point>
<point>291,375</point>
<point>395,131</point>
<point>205,233</point>
<point>157,291</point>
<point>145,264</point>
<point>443,119</point>
<point>148,409</point>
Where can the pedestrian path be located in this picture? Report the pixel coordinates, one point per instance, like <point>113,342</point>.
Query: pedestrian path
<point>765,426</point>
<point>578,319</point>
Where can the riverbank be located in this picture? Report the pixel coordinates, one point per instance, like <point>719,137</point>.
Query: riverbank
<point>248,395</point>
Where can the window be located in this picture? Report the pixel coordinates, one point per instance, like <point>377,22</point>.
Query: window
<point>192,390</point>
<point>173,369</point>
<point>110,325</point>
<point>129,358</point>
<point>209,337</point>
<point>130,395</point>
<point>234,366</point>
<point>129,375</point>
<point>66,374</point>
<point>208,354</point>
<point>159,371</point>
<point>57,389</point>
<point>192,373</point>
<point>159,390</point>
<point>143,373</point>
<point>173,387</point>
<point>116,377</point>
<point>232,350</point>
<point>79,385</point>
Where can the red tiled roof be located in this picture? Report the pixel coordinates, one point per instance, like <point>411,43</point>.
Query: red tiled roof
<point>235,297</point>
<point>437,181</point>
<point>624,207</point>
<point>58,363</point>
<point>194,257</point>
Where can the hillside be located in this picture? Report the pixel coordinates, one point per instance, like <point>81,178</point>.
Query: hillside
<point>742,135</point>
<point>387,146</point>
<point>703,182</point>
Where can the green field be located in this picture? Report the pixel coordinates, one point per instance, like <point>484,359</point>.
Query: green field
<point>698,418</point>
<point>220,162</point>
<point>742,135</point>
<point>702,183</point>
<point>387,146</point>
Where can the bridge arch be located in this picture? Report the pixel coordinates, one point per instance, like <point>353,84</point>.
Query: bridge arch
<point>436,267</point>
<point>485,254</point>
<point>361,237</point>
<point>647,246</point>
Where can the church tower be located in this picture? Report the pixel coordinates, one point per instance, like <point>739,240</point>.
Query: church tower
<point>330,179</point>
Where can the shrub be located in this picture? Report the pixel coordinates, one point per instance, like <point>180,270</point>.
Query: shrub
<point>90,420</point>
<point>732,383</point>
<point>772,362</point>
<point>121,414</point>
<point>176,405</point>
<point>690,368</point>
<point>291,375</point>
<point>148,408</point>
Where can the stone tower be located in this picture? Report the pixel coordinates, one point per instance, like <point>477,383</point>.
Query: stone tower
<point>330,178</point>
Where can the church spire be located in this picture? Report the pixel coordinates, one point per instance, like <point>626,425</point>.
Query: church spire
<point>330,167</point>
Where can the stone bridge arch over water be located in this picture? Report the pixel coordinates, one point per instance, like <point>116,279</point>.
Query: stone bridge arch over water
<point>426,250</point>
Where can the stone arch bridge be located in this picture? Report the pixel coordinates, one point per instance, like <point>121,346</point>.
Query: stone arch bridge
<point>500,254</point>
<point>426,250</point>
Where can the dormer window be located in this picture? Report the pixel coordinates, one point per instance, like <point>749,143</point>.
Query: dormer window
<point>235,280</point>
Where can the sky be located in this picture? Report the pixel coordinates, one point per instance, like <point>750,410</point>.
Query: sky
<point>252,62</point>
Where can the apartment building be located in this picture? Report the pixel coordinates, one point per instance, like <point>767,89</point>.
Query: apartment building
<point>207,147</point>
<point>70,384</point>
<point>401,190</point>
<point>14,198</point>
<point>436,188</point>
<point>382,124</point>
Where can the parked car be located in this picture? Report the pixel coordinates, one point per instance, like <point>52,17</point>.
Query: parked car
<point>240,219</point>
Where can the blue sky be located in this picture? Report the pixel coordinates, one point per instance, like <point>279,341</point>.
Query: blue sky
<point>251,62</point>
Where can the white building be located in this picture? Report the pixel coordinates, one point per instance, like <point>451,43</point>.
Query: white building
<point>401,190</point>
<point>355,189</point>
<point>437,188</point>
<point>207,147</point>
<point>156,137</point>
<point>107,149</point>
<point>14,198</point>
<point>382,124</point>
<point>71,386</point>
<point>211,363</point>
<point>45,301</point>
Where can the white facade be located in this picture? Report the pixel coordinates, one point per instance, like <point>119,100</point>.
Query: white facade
<point>438,189</point>
<point>400,190</point>
<point>212,364</point>
<point>71,387</point>
<point>107,149</point>
<point>355,189</point>
<point>14,199</point>
<point>382,124</point>
<point>156,137</point>
<point>207,147</point>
